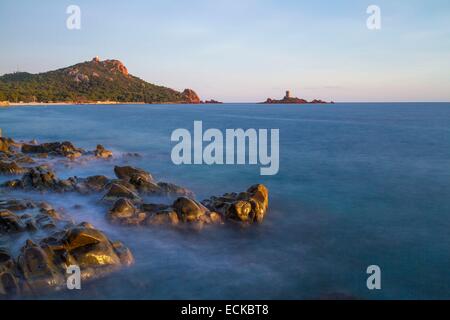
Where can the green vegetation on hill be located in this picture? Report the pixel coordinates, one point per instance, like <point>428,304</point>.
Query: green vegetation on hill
<point>90,81</point>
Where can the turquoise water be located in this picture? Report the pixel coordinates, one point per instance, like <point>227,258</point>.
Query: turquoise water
<point>359,184</point>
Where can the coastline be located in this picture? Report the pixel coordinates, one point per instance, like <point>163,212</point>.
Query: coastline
<point>26,104</point>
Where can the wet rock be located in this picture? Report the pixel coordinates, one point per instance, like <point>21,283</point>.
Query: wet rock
<point>41,179</point>
<point>92,251</point>
<point>7,145</point>
<point>258,196</point>
<point>144,183</point>
<point>13,184</point>
<point>92,184</point>
<point>158,214</point>
<point>41,155</point>
<point>9,284</point>
<point>82,236</point>
<point>171,189</point>
<point>42,265</point>
<point>101,152</point>
<point>10,222</point>
<point>125,256</point>
<point>11,168</point>
<point>189,210</point>
<point>6,259</point>
<point>127,173</point>
<point>162,217</point>
<point>64,149</point>
<point>23,159</point>
<point>88,248</point>
<point>16,205</point>
<point>124,212</point>
<point>117,191</point>
<point>38,269</point>
<point>145,187</point>
<point>247,207</point>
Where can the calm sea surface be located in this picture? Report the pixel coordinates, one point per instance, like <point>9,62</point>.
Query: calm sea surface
<point>359,184</point>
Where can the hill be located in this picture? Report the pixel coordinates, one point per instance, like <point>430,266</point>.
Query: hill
<point>89,81</point>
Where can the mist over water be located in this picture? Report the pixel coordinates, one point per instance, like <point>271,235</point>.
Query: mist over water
<point>359,184</point>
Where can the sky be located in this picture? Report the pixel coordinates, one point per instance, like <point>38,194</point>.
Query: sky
<point>244,50</point>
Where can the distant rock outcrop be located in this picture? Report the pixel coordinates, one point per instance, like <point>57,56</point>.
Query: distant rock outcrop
<point>212,101</point>
<point>189,96</point>
<point>287,99</point>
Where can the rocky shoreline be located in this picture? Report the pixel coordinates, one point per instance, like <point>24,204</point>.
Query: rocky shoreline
<point>287,99</point>
<point>54,240</point>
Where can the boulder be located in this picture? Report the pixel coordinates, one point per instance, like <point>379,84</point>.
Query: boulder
<point>158,214</point>
<point>125,256</point>
<point>163,217</point>
<point>10,222</point>
<point>11,168</point>
<point>41,178</point>
<point>171,189</point>
<point>124,212</point>
<point>92,251</point>
<point>143,182</point>
<point>189,210</point>
<point>101,152</point>
<point>38,269</point>
<point>92,184</point>
<point>9,284</point>
<point>88,248</point>
<point>117,191</point>
<point>16,205</point>
<point>64,149</point>
<point>247,207</point>
<point>6,144</point>
<point>127,173</point>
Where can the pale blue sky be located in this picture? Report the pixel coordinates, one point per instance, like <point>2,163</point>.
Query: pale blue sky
<point>244,50</point>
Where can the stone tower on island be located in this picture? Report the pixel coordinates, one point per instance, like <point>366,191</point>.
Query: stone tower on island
<point>288,94</point>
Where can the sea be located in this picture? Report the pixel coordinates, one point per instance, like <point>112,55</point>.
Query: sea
<point>359,184</point>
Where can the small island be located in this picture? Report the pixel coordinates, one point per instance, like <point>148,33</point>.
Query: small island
<point>294,100</point>
<point>212,101</point>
